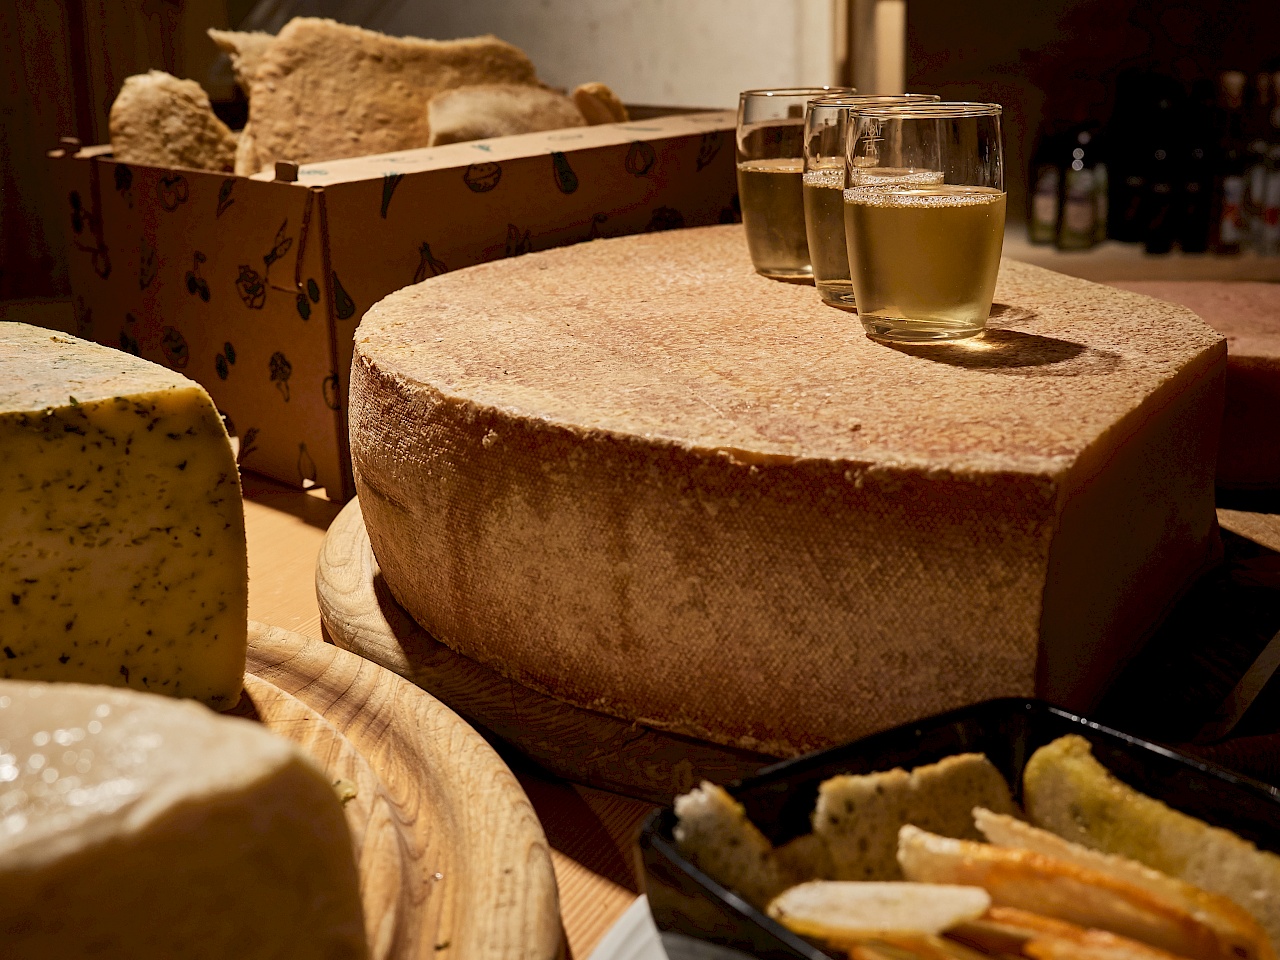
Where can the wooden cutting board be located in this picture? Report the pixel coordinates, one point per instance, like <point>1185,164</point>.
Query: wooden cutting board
<point>453,861</point>
<point>360,615</point>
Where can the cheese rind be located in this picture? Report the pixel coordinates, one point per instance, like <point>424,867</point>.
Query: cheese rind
<point>124,558</point>
<point>636,476</point>
<point>1245,313</point>
<point>134,826</point>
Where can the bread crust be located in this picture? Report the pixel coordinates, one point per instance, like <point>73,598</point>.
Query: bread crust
<point>162,121</point>
<point>324,90</point>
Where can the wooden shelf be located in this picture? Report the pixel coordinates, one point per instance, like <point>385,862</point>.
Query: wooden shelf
<point>1128,261</point>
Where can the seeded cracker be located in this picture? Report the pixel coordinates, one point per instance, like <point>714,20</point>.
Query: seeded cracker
<point>161,121</point>
<point>714,833</point>
<point>497,110</point>
<point>324,90</point>
<point>859,815</point>
<point>1070,793</point>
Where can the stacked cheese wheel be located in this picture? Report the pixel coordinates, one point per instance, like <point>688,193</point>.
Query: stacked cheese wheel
<point>636,476</point>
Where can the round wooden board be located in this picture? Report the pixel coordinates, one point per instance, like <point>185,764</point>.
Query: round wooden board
<point>360,615</point>
<point>453,861</point>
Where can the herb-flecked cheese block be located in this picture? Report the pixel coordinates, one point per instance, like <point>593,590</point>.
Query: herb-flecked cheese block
<point>134,826</point>
<point>122,545</point>
<point>637,476</point>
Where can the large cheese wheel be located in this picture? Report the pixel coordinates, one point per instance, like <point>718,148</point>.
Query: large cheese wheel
<point>637,476</point>
<point>1248,315</point>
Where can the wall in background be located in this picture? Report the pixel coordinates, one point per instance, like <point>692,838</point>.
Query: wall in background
<point>1060,58</point>
<point>671,52</point>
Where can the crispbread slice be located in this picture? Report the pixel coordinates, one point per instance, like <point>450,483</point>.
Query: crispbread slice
<point>1056,888</point>
<point>497,110</point>
<point>858,816</point>
<point>1243,934</point>
<point>805,858</point>
<point>713,831</point>
<point>247,153</point>
<point>844,911</point>
<point>1070,793</point>
<point>245,49</point>
<point>162,121</point>
<point>325,90</point>
<point>599,104</point>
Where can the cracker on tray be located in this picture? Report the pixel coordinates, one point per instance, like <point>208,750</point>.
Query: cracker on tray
<point>713,831</point>
<point>858,815</point>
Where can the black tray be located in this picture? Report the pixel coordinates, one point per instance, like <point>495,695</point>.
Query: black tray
<point>698,917</point>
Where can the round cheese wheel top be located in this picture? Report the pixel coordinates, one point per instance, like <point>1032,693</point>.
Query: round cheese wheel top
<point>674,337</point>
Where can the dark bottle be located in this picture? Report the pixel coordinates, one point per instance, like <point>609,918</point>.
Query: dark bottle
<point>1159,214</point>
<point>1044,198</point>
<point>1126,135</point>
<point>1269,242</point>
<point>1078,225</point>
<point>1102,197</point>
<point>1195,219</point>
<point>1257,132</point>
<point>1159,208</point>
<point>1228,217</point>
<point>1195,195</point>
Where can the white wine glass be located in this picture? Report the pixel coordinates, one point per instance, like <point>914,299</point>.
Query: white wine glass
<point>825,133</point>
<point>924,206</point>
<point>770,162</point>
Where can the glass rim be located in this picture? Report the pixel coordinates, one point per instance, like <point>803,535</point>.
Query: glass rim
<point>798,92</point>
<point>887,99</point>
<point>933,110</point>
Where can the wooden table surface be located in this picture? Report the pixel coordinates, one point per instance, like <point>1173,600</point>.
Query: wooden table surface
<point>591,832</point>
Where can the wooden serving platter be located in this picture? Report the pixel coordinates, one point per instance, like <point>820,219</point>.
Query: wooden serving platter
<point>1201,650</point>
<point>360,615</point>
<point>453,861</point>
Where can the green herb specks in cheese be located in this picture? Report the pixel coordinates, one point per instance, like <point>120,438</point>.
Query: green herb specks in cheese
<point>122,546</point>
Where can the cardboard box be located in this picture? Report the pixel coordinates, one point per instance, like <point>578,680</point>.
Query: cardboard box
<point>254,287</point>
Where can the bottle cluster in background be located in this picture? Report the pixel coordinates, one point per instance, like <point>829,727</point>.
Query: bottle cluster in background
<point>1196,170</point>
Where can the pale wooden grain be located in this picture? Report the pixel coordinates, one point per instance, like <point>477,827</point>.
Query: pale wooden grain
<point>360,615</point>
<point>454,863</point>
<point>1261,528</point>
<point>285,528</point>
<point>591,833</point>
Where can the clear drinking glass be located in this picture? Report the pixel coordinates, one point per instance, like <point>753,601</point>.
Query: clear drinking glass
<point>924,250</point>
<point>825,127</point>
<point>770,163</point>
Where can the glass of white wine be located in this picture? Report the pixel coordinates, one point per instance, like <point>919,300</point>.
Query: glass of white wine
<point>825,131</point>
<point>770,162</point>
<point>924,250</point>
